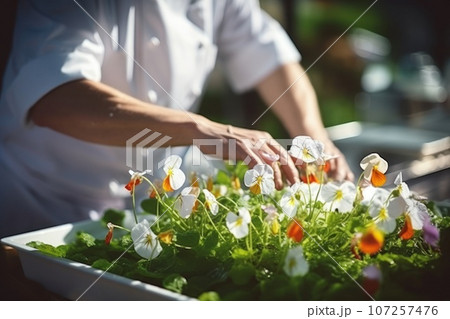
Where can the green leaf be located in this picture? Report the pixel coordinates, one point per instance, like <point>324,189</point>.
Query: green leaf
<point>209,296</point>
<point>175,282</point>
<point>223,178</point>
<point>86,239</point>
<point>113,216</point>
<point>150,205</point>
<point>241,273</point>
<point>240,253</point>
<point>47,249</point>
<point>102,264</point>
<point>211,241</point>
<point>188,239</point>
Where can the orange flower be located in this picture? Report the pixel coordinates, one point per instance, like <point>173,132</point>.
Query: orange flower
<point>295,231</point>
<point>407,231</point>
<point>109,235</point>
<point>166,237</point>
<point>135,180</point>
<point>371,241</point>
<point>235,183</point>
<point>311,178</point>
<point>374,167</point>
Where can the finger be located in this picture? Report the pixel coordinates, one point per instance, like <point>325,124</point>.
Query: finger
<point>287,164</point>
<point>273,160</point>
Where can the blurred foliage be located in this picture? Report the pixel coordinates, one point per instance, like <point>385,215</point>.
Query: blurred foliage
<point>315,25</point>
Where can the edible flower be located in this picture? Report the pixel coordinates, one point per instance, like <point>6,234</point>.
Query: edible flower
<point>295,231</point>
<point>338,197</point>
<point>211,203</point>
<point>371,241</point>
<point>238,224</point>
<point>186,203</point>
<point>260,179</point>
<point>135,180</point>
<point>175,177</point>
<point>374,168</point>
<point>307,150</point>
<point>145,241</point>
<point>295,263</point>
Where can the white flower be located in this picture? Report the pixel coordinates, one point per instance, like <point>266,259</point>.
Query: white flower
<point>175,177</point>
<point>272,213</point>
<point>211,202</point>
<point>145,241</point>
<point>186,202</point>
<point>135,180</point>
<point>374,168</point>
<point>338,196</point>
<point>295,263</point>
<point>383,216</point>
<point>307,150</point>
<point>238,225</point>
<point>371,193</point>
<point>418,213</point>
<point>260,179</point>
<point>290,201</point>
<point>402,187</point>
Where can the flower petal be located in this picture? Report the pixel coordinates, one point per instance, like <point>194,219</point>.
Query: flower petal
<point>407,231</point>
<point>173,161</point>
<point>177,178</point>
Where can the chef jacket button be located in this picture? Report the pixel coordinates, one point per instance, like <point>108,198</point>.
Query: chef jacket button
<point>152,96</point>
<point>154,41</point>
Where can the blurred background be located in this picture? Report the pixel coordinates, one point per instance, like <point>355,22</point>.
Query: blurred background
<point>383,87</point>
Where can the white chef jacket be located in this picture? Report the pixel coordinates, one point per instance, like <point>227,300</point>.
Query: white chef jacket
<point>159,51</point>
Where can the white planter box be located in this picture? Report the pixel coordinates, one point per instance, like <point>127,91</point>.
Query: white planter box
<point>72,279</point>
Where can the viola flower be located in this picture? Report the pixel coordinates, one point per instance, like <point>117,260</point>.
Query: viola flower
<point>338,197</point>
<point>418,213</point>
<point>175,177</point>
<point>194,180</point>
<point>295,231</point>
<point>109,235</point>
<point>136,179</point>
<point>407,231</point>
<point>260,179</point>
<point>157,188</point>
<point>383,216</point>
<point>290,201</point>
<point>211,202</point>
<point>238,224</point>
<point>295,263</point>
<point>272,218</point>
<point>166,237</point>
<point>371,241</point>
<point>187,200</point>
<point>402,187</point>
<point>430,233</point>
<point>235,183</point>
<point>371,279</point>
<point>145,242</point>
<point>374,168</point>
<point>307,150</point>
<point>219,190</point>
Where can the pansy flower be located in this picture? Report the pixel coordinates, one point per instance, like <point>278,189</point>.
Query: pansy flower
<point>260,179</point>
<point>145,242</point>
<point>295,231</point>
<point>295,263</point>
<point>402,187</point>
<point>384,216</point>
<point>371,241</point>
<point>430,233</point>
<point>238,224</point>
<point>407,230</point>
<point>109,235</point>
<point>187,200</point>
<point>290,201</point>
<point>374,168</point>
<point>211,203</point>
<point>135,180</point>
<point>338,196</point>
<point>307,150</point>
<point>272,218</point>
<point>175,177</point>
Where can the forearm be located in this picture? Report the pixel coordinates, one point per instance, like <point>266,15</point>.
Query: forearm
<point>297,108</point>
<point>97,113</point>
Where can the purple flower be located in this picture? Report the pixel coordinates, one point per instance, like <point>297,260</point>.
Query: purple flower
<point>430,232</point>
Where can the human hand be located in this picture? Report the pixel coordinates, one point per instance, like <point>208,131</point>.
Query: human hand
<point>251,146</point>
